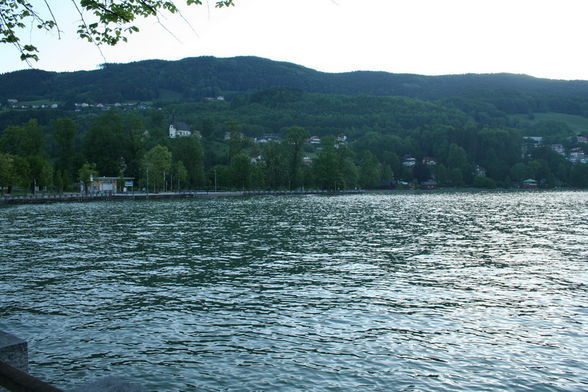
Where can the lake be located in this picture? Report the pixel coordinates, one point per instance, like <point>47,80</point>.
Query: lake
<point>407,291</point>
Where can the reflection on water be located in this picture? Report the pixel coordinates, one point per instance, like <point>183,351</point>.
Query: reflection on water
<point>406,292</point>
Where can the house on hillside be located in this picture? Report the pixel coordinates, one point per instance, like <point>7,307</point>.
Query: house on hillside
<point>179,129</point>
<point>529,143</point>
<point>577,155</point>
<point>429,161</point>
<point>256,158</point>
<point>266,138</point>
<point>480,171</point>
<point>316,140</point>
<point>408,161</point>
<point>534,141</point>
<point>559,148</point>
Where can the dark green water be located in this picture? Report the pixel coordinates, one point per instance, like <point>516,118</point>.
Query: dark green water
<point>404,292</point>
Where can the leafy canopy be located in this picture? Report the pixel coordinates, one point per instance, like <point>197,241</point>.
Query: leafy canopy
<point>101,21</point>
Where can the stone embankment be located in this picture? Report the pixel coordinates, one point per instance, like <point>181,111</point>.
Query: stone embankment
<point>14,376</point>
<point>107,196</point>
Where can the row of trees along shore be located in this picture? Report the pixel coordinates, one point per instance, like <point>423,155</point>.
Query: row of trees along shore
<point>55,157</point>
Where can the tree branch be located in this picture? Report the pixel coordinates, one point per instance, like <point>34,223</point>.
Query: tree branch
<point>54,20</point>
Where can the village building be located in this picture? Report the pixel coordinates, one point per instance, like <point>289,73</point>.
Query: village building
<point>534,141</point>
<point>530,142</point>
<point>108,185</point>
<point>577,155</point>
<point>238,135</point>
<point>314,140</point>
<point>559,148</point>
<point>429,161</point>
<point>266,139</point>
<point>179,129</point>
<point>408,161</point>
<point>480,171</point>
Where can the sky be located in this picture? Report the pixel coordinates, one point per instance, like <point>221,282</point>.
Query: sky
<point>431,37</point>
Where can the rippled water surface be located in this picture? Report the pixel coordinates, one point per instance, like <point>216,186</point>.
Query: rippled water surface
<point>402,292</point>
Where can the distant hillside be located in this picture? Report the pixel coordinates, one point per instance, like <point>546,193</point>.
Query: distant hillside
<point>196,78</point>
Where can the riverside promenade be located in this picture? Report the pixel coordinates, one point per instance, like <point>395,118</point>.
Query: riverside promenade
<point>109,196</point>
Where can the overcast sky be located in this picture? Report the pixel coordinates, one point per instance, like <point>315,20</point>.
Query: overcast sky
<point>431,37</point>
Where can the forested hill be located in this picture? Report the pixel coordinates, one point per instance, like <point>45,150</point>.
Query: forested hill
<point>196,78</point>
<point>283,126</point>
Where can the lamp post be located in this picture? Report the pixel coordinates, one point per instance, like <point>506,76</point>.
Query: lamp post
<point>147,169</point>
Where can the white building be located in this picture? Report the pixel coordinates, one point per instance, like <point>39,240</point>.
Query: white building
<point>577,156</point>
<point>179,129</point>
<point>314,140</point>
<point>559,148</point>
<point>408,161</point>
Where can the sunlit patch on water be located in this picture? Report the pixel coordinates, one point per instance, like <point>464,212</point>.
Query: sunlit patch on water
<point>428,292</point>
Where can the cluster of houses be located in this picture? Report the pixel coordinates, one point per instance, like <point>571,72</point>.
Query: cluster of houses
<point>108,106</point>
<point>316,140</point>
<point>79,106</point>
<point>574,154</point>
<point>264,139</point>
<point>410,161</point>
<point>14,104</point>
<point>181,129</point>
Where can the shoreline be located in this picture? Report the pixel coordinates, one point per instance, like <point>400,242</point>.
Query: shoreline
<point>83,198</point>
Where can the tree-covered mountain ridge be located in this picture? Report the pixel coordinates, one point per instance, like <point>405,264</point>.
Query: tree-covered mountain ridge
<point>201,77</point>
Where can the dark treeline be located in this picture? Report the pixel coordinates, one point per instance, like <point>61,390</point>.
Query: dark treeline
<point>195,78</point>
<point>263,141</point>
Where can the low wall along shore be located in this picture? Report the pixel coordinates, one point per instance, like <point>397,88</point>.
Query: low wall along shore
<point>80,197</point>
<point>14,351</point>
<point>14,375</point>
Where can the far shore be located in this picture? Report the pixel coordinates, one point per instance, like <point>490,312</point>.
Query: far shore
<point>45,198</point>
